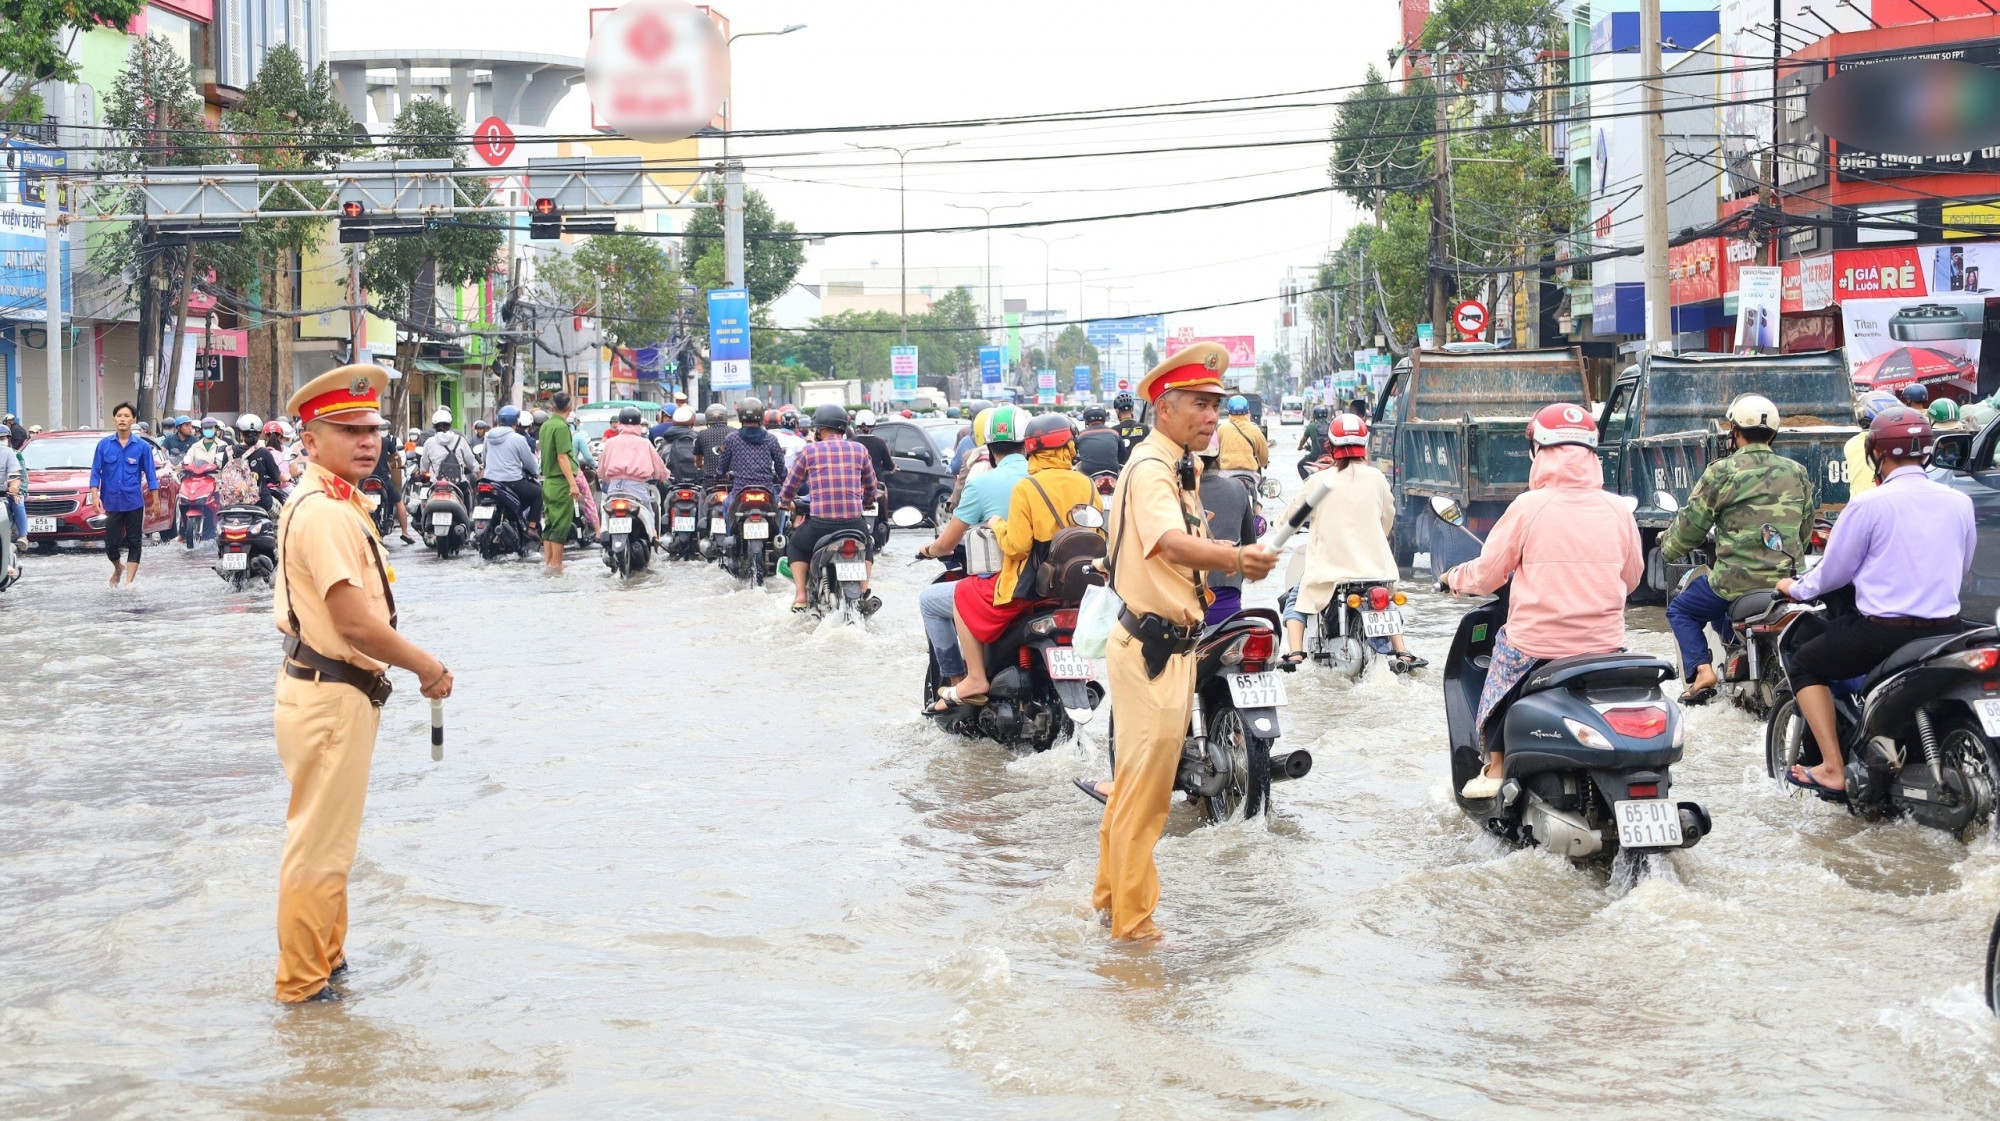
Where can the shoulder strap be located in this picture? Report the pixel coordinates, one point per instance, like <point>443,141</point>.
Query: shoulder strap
<point>1060,520</point>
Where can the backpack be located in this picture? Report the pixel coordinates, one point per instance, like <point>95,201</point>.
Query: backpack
<point>236,484</point>
<point>678,451</point>
<point>1064,565</point>
<point>449,468</point>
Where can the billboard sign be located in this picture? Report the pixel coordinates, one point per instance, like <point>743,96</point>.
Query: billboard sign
<point>1107,332</point>
<point>1926,340</point>
<point>1757,307</point>
<point>1082,379</point>
<point>729,338</point>
<point>1242,348</point>
<point>903,372</point>
<point>991,360</point>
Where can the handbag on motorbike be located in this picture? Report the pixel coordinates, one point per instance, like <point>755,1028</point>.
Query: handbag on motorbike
<point>982,551</point>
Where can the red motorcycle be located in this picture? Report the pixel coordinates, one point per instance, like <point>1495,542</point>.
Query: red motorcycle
<point>199,503</point>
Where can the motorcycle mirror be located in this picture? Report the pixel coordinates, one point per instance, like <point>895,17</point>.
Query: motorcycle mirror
<point>1630,502</point>
<point>1666,501</point>
<point>1269,488</point>
<point>1447,510</point>
<point>1087,516</point>
<point>906,517</point>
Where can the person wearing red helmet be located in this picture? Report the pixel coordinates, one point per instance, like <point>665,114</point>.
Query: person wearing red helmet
<point>1571,550</point>
<point>1352,512</point>
<point>1904,546</point>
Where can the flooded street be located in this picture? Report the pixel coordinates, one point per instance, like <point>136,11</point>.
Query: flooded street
<point>688,854</point>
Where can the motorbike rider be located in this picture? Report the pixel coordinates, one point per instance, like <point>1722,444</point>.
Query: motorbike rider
<point>1314,437</point>
<point>1905,547</point>
<point>181,438</point>
<point>987,495</point>
<point>392,491</point>
<point>628,463</point>
<point>1098,448</point>
<point>1231,511</point>
<point>708,443</point>
<point>841,479</point>
<point>784,431</point>
<point>267,461</point>
<point>1243,445</point>
<point>967,439</point>
<point>480,428</point>
<point>248,428</point>
<point>1038,507</point>
<point>878,448</point>
<point>13,486</point>
<point>751,456</point>
<point>1353,513</point>
<point>1861,473</point>
<point>209,447</point>
<point>447,455</point>
<point>1572,551</point>
<point>1760,506</point>
<point>677,447</point>
<point>1130,432</point>
<point>511,462</point>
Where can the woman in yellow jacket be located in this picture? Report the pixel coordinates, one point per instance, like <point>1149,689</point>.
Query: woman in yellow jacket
<point>1040,506</point>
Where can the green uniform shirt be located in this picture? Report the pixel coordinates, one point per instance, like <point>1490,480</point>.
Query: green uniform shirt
<point>1737,497</point>
<point>554,439</point>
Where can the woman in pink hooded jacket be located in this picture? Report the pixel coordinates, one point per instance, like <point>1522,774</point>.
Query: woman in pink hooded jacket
<point>1572,550</point>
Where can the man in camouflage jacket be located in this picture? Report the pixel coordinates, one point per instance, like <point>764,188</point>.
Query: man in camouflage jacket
<point>1751,499</point>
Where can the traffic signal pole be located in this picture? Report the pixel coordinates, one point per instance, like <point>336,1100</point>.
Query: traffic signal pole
<point>52,289</point>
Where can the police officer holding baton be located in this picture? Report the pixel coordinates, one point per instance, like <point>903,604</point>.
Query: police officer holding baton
<point>1159,549</point>
<point>334,606</point>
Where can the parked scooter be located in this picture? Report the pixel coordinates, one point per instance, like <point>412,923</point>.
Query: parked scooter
<point>1920,732</point>
<point>630,529</point>
<point>1589,744</point>
<point>499,525</point>
<point>247,545</point>
<point>683,506</point>
<point>199,504</point>
<point>443,518</point>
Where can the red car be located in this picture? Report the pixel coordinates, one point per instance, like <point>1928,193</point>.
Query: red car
<point>59,484</point>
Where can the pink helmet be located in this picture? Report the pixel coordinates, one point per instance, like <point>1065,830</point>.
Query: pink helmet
<point>1563,425</point>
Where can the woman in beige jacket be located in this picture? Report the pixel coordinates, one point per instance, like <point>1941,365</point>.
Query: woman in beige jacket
<point>1352,514</point>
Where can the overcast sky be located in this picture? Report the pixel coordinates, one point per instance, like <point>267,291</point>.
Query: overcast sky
<point>886,61</point>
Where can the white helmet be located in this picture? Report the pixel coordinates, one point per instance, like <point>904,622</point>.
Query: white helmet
<point>248,422</point>
<point>286,426</point>
<point>685,414</point>
<point>442,416</point>
<point>864,419</point>
<point>1753,411</point>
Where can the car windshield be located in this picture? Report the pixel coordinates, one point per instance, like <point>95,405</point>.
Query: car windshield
<point>944,437</point>
<point>47,454</point>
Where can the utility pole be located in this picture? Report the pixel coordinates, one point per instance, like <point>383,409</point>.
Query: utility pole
<point>902,221</point>
<point>1659,308</point>
<point>1440,203</point>
<point>732,223</point>
<point>52,190</point>
<point>991,319</point>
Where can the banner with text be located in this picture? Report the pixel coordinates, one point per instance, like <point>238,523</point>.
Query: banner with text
<point>903,372</point>
<point>991,362</point>
<point>729,338</point>
<point>1928,340</point>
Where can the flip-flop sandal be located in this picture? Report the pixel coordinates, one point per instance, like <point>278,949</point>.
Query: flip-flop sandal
<point>1090,789</point>
<point>1817,787</point>
<point>801,608</point>
<point>949,695</point>
<point>1291,662</point>
<point>1411,661</point>
<point>1694,698</point>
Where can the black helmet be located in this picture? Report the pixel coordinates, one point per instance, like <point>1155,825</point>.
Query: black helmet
<point>629,415</point>
<point>970,410</point>
<point>1123,402</point>
<point>1319,412</point>
<point>830,416</point>
<point>718,413</point>
<point>750,411</point>
<point>1095,414</point>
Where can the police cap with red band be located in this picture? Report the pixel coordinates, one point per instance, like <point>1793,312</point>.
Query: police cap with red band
<point>349,395</point>
<point>1199,367</point>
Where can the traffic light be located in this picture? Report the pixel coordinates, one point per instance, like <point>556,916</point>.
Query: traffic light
<point>353,227</point>
<point>545,222</point>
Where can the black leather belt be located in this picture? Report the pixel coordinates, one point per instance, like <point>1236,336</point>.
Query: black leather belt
<point>307,664</point>
<point>1159,640</point>
<point>1907,623</point>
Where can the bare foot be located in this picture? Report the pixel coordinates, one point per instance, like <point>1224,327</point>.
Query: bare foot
<point>116,572</point>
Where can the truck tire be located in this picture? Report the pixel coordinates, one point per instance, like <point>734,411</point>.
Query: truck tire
<point>1402,540</point>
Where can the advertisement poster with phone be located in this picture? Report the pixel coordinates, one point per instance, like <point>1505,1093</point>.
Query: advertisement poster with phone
<point>1757,304</point>
<point>1930,340</point>
<point>1971,269</point>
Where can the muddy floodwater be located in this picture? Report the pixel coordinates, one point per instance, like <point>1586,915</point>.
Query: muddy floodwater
<point>690,855</point>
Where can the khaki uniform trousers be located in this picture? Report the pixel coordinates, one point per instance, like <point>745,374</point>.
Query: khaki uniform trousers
<point>1150,718</point>
<point>326,739</point>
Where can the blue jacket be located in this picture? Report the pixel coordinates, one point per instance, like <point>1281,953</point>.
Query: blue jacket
<point>122,473</point>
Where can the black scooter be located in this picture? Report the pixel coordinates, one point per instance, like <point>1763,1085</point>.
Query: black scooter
<point>837,571</point>
<point>683,507</point>
<point>1589,743</point>
<point>753,527</point>
<point>246,546</point>
<point>499,525</point>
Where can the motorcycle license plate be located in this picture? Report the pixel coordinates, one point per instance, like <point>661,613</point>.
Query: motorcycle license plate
<point>483,513</point>
<point>621,525</point>
<point>756,531</point>
<point>1256,690</point>
<point>41,525</point>
<point>1066,664</point>
<point>684,525</point>
<point>871,511</point>
<point>1649,823</point>
<point>1989,716</point>
<point>718,527</point>
<point>441,522</point>
<point>1381,624</point>
<point>235,562</point>
<point>850,572</point>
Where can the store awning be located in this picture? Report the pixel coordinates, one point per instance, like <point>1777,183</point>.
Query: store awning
<point>437,369</point>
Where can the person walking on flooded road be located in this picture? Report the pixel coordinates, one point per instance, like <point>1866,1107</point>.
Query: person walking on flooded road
<point>332,603</point>
<point>120,475</point>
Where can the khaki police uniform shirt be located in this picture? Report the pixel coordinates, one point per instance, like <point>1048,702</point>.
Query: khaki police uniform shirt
<point>1149,498</point>
<point>325,538</point>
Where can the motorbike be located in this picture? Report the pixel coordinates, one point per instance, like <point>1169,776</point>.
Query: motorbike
<point>837,571</point>
<point>10,564</point>
<point>714,527</point>
<point>752,524</point>
<point>247,545</point>
<point>1045,689</point>
<point>630,529</point>
<point>683,506</point>
<point>1105,482</point>
<point>879,527</point>
<point>1589,742</point>
<point>385,514</point>
<point>1355,626</point>
<point>1920,732</point>
<point>499,525</point>
<point>443,519</point>
<point>198,504</point>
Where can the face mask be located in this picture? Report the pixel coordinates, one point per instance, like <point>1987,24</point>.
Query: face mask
<point>208,433</point>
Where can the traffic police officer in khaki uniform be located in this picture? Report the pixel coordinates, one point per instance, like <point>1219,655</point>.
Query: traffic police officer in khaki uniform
<point>1159,548</point>
<point>334,606</point>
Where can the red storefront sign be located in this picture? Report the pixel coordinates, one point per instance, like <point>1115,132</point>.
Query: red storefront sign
<point>1860,274</point>
<point>1736,252</point>
<point>1694,272</point>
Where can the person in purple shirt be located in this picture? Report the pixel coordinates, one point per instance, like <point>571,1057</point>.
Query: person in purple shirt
<point>1905,546</point>
<point>120,475</point>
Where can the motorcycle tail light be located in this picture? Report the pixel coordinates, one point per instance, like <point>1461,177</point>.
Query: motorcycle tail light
<point>1981,660</point>
<point>1641,723</point>
<point>235,534</point>
<point>621,507</point>
<point>1354,602</point>
<point>486,488</point>
<point>756,496</point>
<point>371,485</point>
<point>1066,619</point>
<point>1643,790</point>
<point>684,495</point>
<point>849,550</point>
<point>1256,650</point>
<point>1378,598</point>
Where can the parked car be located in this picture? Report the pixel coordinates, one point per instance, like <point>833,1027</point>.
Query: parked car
<point>922,451</point>
<point>1965,461</point>
<point>59,482</point>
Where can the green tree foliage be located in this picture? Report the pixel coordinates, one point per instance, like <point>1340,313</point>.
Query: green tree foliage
<point>1372,158</point>
<point>855,344</point>
<point>641,287</point>
<point>34,45</point>
<point>1071,349</point>
<point>452,253</point>
<point>156,119</point>
<point>769,264</point>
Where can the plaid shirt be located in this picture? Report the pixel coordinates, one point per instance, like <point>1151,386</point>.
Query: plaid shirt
<point>842,478</point>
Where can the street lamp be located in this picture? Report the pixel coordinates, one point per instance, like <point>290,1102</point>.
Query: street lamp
<point>1046,301</point>
<point>729,102</point>
<point>988,212</point>
<point>902,219</point>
